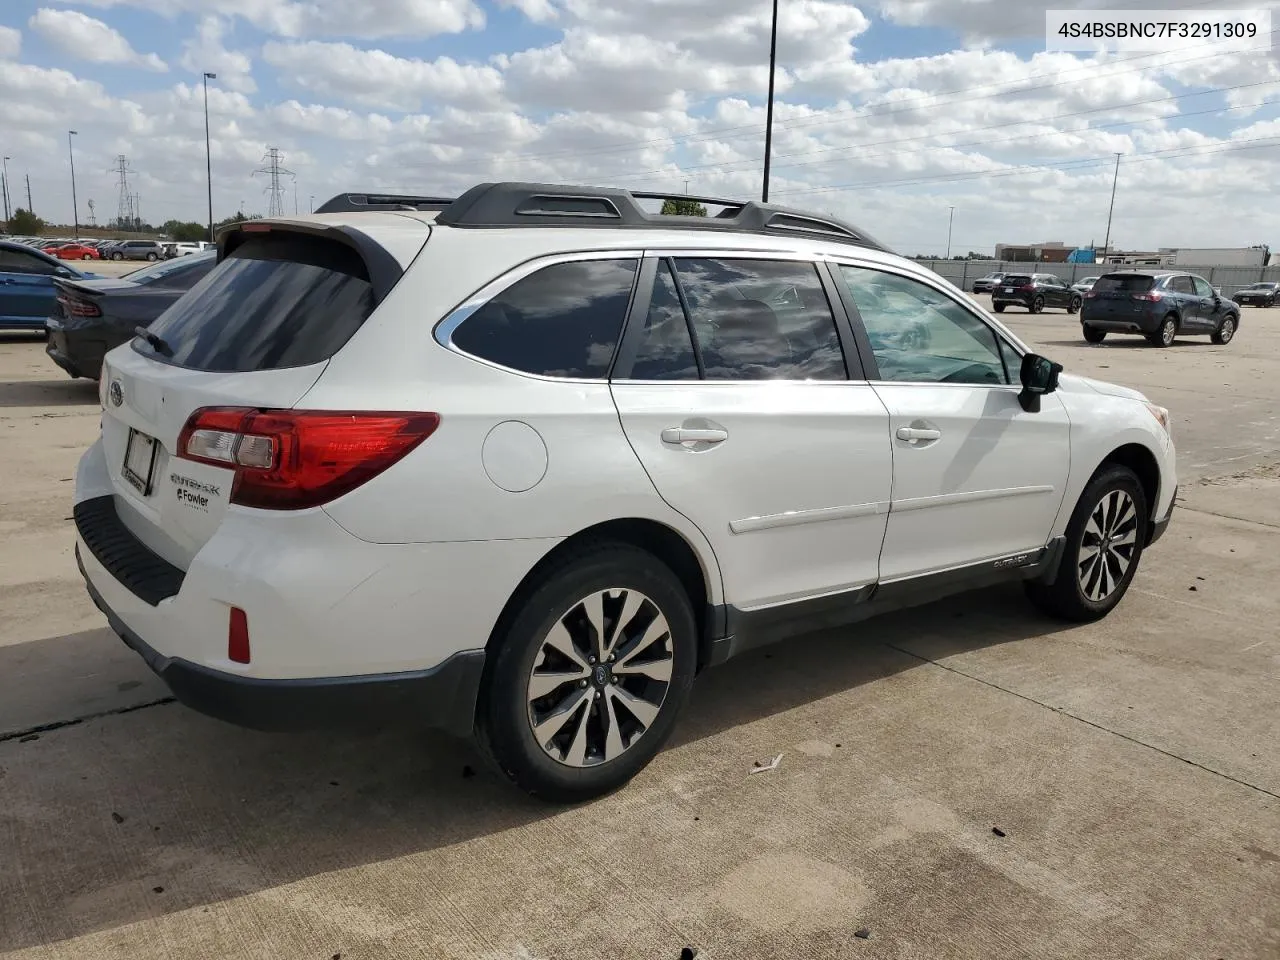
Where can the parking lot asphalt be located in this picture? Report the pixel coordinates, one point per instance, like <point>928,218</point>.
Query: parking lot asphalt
<point>966,780</point>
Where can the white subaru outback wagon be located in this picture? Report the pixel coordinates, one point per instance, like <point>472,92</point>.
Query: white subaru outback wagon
<point>519,465</point>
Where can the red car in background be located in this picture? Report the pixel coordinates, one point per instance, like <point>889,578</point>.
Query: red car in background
<point>73,251</point>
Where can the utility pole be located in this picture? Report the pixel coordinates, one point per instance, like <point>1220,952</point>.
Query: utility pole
<point>75,208</point>
<point>208,156</point>
<point>313,204</point>
<point>6,190</point>
<point>274,171</point>
<point>295,196</point>
<point>768,122</point>
<point>30,209</point>
<point>950,221</point>
<point>1106,244</point>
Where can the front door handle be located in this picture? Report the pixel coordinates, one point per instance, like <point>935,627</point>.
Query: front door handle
<point>694,435</point>
<point>911,434</point>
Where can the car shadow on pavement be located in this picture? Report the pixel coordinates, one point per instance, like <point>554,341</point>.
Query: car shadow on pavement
<point>63,392</point>
<point>1124,342</point>
<point>157,810</point>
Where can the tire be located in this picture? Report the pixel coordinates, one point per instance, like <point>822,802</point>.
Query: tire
<point>1037,305</point>
<point>1074,305</point>
<point>1165,333</point>
<point>572,764</point>
<point>998,307</point>
<point>117,256</point>
<point>1226,330</point>
<point>1093,334</point>
<point>152,256</point>
<point>1087,590</point>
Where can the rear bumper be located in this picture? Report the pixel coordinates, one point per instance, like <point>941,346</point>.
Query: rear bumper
<point>444,696</point>
<point>1137,323</point>
<point>79,350</point>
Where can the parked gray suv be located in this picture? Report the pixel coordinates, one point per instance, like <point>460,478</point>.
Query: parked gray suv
<point>1160,305</point>
<point>138,250</point>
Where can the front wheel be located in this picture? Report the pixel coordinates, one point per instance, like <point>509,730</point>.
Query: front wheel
<point>87,257</point>
<point>1226,330</point>
<point>1074,305</point>
<point>998,307</point>
<point>1037,305</point>
<point>151,256</point>
<point>1094,335</point>
<point>589,674</point>
<point>117,256</point>
<point>1104,542</point>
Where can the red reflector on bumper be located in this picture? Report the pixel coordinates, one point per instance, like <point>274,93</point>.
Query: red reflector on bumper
<point>238,636</point>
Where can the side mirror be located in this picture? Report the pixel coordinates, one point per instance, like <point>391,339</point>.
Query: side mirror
<point>62,272</point>
<point>1039,376</point>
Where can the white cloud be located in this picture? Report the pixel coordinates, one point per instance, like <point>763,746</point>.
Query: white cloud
<point>380,79</point>
<point>539,11</point>
<point>81,36</point>
<point>205,52</point>
<point>10,43</point>
<point>370,19</point>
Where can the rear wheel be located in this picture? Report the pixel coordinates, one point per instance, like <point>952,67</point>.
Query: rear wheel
<point>1093,334</point>
<point>1226,330</point>
<point>117,256</point>
<point>152,256</point>
<point>1104,542</point>
<point>589,674</point>
<point>1037,305</point>
<point>998,307</point>
<point>1163,337</point>
<point>87,257</point>
<point>1074,305</point>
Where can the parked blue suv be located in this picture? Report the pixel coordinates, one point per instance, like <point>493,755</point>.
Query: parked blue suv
<point>1160,306</point>
<point>26,286</point>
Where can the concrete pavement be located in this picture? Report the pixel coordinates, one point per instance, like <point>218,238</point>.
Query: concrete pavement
<point>1129,766</point>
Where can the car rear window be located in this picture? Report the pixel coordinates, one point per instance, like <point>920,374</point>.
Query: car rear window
<point>1124,283</point>
<point>281,300</point>
<point>1016,278</point>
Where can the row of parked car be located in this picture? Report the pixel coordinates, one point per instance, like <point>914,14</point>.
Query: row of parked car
<point>1265,293</point>
<point>82,314</point>
<point>151,250</point>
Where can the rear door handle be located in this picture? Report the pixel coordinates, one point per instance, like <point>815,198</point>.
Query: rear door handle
<point>694,435</point>
<point>918,433</point>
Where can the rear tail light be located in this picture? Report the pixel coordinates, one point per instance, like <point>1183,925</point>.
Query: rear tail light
<point>293,459</point>
<point>238,636</point>
<point>79,308</point>
<point>1089,295</point>
<point>1027,286</point>
<point>1149,297</point>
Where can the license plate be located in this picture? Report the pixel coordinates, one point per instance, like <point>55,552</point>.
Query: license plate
<point>1008,289</point>
<point>139,461</point>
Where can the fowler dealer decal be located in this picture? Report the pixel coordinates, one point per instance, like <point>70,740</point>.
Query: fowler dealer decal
<point>193,493</point>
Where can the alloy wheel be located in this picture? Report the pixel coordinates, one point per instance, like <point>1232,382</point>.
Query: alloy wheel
<point>1227,330</point>
<point>1108,546</point>
<point>600,677</point>
<point>1168,331</point>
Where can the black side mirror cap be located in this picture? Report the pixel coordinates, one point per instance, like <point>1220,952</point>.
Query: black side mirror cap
<point>1039,376</point>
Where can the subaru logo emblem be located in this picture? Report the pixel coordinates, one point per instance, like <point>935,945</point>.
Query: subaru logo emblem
<point>116,392</point>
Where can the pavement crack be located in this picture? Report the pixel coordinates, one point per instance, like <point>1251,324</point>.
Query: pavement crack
<point>1063,711</point>
<point>59,724</point>
<point>1228,516</point>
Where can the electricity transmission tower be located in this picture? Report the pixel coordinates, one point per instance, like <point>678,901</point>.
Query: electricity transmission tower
<point>124,207</point>
<point>272,169</point>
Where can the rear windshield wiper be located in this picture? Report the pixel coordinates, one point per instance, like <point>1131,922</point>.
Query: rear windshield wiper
<point>156,341</point>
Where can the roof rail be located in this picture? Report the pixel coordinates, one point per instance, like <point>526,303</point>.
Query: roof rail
<point>360,202</point>
<point>555,205</point>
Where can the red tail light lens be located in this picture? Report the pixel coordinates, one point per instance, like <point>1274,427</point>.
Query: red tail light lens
<point>1149,297</point>
<point>79,308</point>
<point>294,459</point>
<point>1027,287</point>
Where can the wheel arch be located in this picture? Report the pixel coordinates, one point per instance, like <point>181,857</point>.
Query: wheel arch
<point>663,542</point>
<point>1145,465</point>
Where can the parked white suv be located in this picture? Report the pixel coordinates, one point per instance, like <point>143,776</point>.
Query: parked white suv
<point>522,464</point>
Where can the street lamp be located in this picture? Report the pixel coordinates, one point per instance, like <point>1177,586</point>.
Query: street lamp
<point>313,204</point>
<point>75,207</point>
<point>208,157</point>
<point>768,123</point>
<point>6,191</point>
<point>1115,179</point>
<point>950,220</point>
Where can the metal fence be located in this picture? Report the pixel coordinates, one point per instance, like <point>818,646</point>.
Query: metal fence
<point>963,272</point>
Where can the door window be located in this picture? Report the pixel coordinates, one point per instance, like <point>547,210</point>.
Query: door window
<point>920,335</point>
<point>666,349</point>
<point>561,321</point>
<point>1202,287</point>
<point>1183,285</point>
<point>14,261</point>
<point>761,320</point>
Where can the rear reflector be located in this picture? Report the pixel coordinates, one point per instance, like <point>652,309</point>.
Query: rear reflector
<point>294,459</point>
<point>238,637</point>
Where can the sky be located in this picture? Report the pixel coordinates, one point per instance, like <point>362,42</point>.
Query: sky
<point>888,112</point>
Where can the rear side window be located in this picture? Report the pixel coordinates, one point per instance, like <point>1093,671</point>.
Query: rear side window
<point>281,300</point>
<point>1123,283</point>
<point>761,320</point>
<point>562,321</point>
<point>666,349</point>
<point>1182,285</point>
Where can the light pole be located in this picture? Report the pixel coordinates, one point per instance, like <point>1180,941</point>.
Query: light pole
<point>768,122</point>
<point>313,204</point>
<point>6,191</point>
<point>208,156</point>
<point>1106,244</point>
<point>75,207</point>
<point>950,220</point>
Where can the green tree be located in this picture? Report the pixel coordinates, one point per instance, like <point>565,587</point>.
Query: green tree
<point>24,223</point>
<point>683,208</point>
<point>185,232</point>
